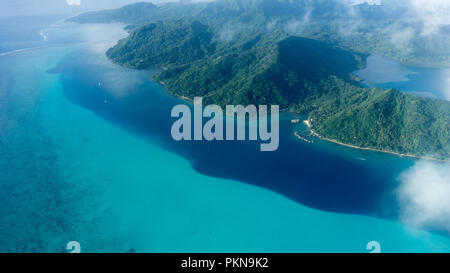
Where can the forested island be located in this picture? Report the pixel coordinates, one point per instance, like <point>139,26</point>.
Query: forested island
<point>264,52</point>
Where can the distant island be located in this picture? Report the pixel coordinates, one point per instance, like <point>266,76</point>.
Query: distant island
<point>238,52</point>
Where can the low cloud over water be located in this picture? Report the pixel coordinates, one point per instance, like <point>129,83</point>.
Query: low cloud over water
<point>424,196</point>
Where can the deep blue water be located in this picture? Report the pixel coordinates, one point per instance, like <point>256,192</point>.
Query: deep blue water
<point>308,174</point>
<point>120,183</point>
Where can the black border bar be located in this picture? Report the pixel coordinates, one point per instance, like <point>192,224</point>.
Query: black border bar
<point>223,262</point>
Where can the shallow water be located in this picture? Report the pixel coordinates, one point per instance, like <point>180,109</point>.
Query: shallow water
<point>351,182</point>
<point>86,156</point>
<point>428,82</point>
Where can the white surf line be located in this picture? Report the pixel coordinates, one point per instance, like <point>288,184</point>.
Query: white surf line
<point>20,50</point>
<point>55,24</point>
<point>42,33</point>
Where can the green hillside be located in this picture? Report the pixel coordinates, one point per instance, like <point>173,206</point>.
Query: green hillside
<point>227,63</point>
<point>387,30</point>
<point>164,43</point>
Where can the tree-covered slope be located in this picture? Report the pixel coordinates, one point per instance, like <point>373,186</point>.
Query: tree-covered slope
<point>242,58</point>
<point>161,43</point>
<point>130,14</point>
<point>386,120</point>
<point>296,73</point>
<point>389,30</point>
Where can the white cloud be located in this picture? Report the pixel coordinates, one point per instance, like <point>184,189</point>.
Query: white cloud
<point>272,24</point>
<point>401,38</point>
<point>370,2</point>
<point>295,27</point>
<point>432,13</point>
<point>424,196</point>
<point>73,2</point>
<point>447,86</point>
<point>228,33</point>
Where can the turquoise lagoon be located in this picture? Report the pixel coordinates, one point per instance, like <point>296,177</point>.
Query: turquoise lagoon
<point>73,169</point>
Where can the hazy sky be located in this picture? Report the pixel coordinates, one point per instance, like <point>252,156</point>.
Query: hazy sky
<point>433,13</point>
<point>35,7</point>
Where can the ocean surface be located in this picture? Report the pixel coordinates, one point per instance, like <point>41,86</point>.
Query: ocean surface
<point>86,155</point>
<point>22,33</point>
<point>423,81</point>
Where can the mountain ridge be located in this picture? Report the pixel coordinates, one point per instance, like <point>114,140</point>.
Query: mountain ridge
<point>255,65</point>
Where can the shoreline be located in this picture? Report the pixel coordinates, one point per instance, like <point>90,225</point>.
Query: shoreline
<point>308,124</point>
